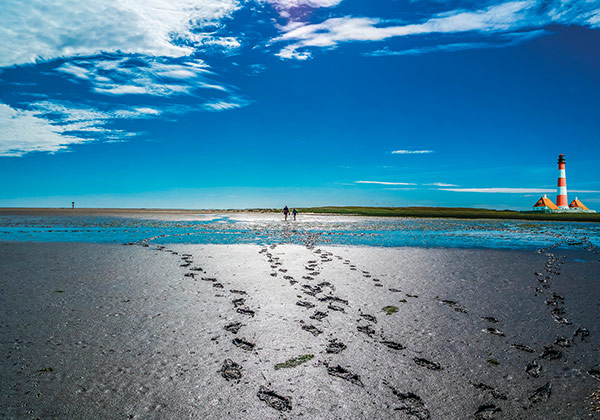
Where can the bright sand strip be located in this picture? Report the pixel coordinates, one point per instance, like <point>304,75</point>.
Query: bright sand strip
<point>94,331</point>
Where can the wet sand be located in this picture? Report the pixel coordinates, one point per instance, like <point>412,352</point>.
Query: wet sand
<point>93,331</point>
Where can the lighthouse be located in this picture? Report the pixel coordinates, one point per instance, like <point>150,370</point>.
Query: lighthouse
<point>561,193</point>
<point>546,205</point>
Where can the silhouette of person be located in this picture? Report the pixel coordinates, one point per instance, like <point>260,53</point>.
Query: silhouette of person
<point>294,212</point>
<point>286,211</point>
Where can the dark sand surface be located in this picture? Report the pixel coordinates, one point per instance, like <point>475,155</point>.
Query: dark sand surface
<point>91,331</point>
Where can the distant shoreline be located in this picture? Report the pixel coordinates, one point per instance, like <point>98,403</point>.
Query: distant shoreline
<point>417,212</point>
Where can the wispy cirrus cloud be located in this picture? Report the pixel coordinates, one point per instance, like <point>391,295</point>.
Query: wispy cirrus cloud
<point>503,190</point>
<point>141,75</point>
<point>295,10</point>
<point>500,41</point>
<point>155,87</point>
<point>383,183</point>
<point>441,184</point>
<point>496,190</point>
<point>410,152</point>
<point>334,31</point>
<point>290,4</point>
<point>502,18</point>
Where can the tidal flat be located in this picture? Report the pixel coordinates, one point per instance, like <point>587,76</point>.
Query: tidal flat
<point>161,329</point>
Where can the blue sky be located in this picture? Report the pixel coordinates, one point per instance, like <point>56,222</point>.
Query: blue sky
<point>262,103</point>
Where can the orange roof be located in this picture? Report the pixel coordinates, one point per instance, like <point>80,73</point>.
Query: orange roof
<point>577,203</point>
<point>545,202</point>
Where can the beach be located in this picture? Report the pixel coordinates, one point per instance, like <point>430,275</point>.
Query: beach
<point>247,331</point>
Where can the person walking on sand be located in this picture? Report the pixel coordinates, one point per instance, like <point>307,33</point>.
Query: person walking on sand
<point>286,211</point>
<point>294,212</point>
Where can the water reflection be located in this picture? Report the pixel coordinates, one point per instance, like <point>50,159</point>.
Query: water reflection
<point>268,229</point>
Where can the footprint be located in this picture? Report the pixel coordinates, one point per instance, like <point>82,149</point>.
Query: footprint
<point>311,290</point>
<point>245,311</point>
<point>495,393</point>
<point>412,404</point>
<point>335,308</point>
<point>333,299</point>
<point>345,374</point>
<point>490,319</point>
<point>238,302</point>
<point>486,412</point>
<point>562,341</point>
<point>234,327</point>
<point>493,331</point>
<point>393,345</point>
<point>581,332</point>
<point>335,346</point>
<point>533,369</point>
<point>366,329</point>
<point>318,315</point>
<point>312,329</point>
<point>243,344</point>
<point>454,305</point>
<point>273,400</point>
<point>541,394</point>
<point>238,292</point>
<point>369,318</point>
<point>523,347</point>
<point>427,364</point>
<point>595,373</point>
<point>550,353</point>
<point>305,304</point>
<point>231,370</point>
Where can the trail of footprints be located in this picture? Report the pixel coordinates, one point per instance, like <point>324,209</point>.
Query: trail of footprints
<point>320,299</point>
<point>321,293</point>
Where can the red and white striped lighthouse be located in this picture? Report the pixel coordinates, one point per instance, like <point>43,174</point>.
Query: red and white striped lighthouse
<point>561,194</point>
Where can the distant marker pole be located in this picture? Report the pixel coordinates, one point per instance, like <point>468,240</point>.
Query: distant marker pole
<point>561,197</point>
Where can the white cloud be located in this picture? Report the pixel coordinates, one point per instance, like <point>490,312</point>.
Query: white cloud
<point>442,184</point>
<point>501,41</point>
<point>22,132</point>
<point>335,30</point>
<point>64,28</point>
<point>502,190</point>
<point>139,75</point>
<point>283,6</point>
<point>290,52</point>
<point>508,16</point>
<point>583,191</point>
<point>513,190</point>
<point>383,183</point>
<point>411,152</point>
<point>223,105</point>
<point>52,126</point>
<point>310,3</point>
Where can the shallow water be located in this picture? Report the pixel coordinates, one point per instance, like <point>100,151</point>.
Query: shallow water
<point>269,229</point>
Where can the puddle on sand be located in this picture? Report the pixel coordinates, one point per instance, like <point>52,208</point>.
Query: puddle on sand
<point>260,229</point>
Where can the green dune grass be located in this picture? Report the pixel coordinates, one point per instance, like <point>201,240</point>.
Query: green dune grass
<point>453,212</point>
